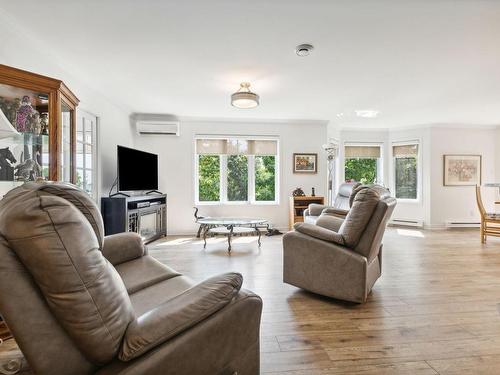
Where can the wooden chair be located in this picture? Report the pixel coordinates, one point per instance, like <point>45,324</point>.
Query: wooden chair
<point>490,223</point>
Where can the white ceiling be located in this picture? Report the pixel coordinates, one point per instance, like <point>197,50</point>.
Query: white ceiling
<point>417,62</point>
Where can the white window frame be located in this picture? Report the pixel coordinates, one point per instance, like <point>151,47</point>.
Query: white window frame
<point>95,151</point>
<point>419,169</point>
<point>251,175</point>
<point>380,161</point>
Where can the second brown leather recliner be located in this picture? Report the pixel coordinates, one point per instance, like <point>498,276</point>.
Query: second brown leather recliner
<point>340,257</point>
<point>81,303</point>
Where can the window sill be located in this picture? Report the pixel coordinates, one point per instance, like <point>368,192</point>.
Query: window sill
<point>408,201</point>
<point>237,203</point>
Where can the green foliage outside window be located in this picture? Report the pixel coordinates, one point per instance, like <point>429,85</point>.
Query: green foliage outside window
<point>406,178</point>
<point>363,170</point>
<point>265,172</point>
<point>209,178</point>
<point>237,178</point>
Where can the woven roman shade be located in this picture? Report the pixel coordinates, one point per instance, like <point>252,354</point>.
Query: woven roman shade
<point>263,147</point>
<point>211,146</point>
<point>362,152</point>
<point>405,151</point>
<point>236,146</point>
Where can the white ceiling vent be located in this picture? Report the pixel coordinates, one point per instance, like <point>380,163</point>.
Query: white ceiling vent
<point>170,128</point>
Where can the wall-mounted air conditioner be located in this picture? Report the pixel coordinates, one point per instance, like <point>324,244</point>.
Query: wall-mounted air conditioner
<point>170,128</point>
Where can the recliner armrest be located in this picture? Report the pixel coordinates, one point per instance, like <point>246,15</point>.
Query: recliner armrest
<point>179,314</point>
<point>319,232</point>
<point>335,212</point>
<point>122,247</point>
<point>314,209</point>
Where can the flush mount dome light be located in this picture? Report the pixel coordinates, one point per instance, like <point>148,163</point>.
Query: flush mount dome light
<point>367,113</point>
<point>244,98</point>
<point>304,50</point>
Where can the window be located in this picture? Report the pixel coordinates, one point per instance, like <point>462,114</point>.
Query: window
<point>405,158</point>
<point>86,153</point>
<point>363,164</point>
<point>236,170</point>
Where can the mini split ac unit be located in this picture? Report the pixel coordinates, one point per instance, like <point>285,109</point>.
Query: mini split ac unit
<point>170,128</point>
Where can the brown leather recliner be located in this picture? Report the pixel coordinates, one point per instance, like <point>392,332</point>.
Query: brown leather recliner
<point>81,303</point>
<point>340,257</point>
<point>341,204</point>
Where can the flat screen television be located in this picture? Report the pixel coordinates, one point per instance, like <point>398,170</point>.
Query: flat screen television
<point>137,170</point>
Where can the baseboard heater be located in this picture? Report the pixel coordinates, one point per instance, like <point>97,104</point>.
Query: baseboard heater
<point>462,224</point>
<point>407,223</point>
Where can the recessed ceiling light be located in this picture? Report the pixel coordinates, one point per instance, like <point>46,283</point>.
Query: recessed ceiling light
<point>304,50</point>
<point>367,113</point>
<point>244,98</point>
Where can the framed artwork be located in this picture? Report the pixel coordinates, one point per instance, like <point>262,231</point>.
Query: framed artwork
<point>461,170</point>
<point>305,163</point>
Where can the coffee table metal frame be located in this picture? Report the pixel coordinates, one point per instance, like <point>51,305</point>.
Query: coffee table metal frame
<point>230,227</point>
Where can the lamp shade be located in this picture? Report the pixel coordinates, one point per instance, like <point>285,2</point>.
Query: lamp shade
<point>6,128</point>
<point>244,98</point>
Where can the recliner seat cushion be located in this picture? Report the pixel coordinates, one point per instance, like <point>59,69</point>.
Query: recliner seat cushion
<point>143,272</point>
<point>58,245</point>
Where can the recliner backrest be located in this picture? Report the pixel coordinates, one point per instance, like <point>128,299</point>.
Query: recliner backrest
<point>371,240</point>
<point>345,191</point>
<point>52,236</point>
<point>381,190</point>
<point>358,216</point>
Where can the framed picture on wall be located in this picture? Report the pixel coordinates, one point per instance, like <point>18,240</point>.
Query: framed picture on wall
<point>305,163</point>
<point>461,170</point>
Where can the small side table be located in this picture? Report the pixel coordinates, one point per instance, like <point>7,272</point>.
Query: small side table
<point>231,231</point>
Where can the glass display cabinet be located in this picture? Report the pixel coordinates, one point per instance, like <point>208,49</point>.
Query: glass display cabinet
<point>37,128</point>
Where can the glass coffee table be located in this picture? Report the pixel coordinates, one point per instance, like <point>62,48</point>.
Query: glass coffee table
<point>231,226</point>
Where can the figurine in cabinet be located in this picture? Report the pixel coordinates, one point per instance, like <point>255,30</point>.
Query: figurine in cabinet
<point>44,123</point>
<point>28,170</point>
<point>24,114</point>
<point>7,159</point>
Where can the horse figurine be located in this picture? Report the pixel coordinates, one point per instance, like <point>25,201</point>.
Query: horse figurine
<point>28,170</point>
<point>7,158</point>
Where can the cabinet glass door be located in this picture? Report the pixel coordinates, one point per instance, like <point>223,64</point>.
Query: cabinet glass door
<point>65,172</point>
<point>24,136</point>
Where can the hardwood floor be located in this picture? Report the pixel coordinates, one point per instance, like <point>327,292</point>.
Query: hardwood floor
<point>435,310</point>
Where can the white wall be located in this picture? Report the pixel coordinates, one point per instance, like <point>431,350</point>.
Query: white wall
<point>439,203</point>
<point>24,51</point>
<point>176,163</point>
<point>459,202</point>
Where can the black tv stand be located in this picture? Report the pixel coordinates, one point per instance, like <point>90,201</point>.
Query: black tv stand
<point>119,193</point>
<point>154,191</point>
<point>142,214</point>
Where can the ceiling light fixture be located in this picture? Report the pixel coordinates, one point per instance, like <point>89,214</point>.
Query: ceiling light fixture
<point>367,113</point>
<point>244,98</point>
<point>304,50</point>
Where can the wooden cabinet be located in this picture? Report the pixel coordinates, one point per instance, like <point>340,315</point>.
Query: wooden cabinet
<point>43,112</point>
<point>298,205</point>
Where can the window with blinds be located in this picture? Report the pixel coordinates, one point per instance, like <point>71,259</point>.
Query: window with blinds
<point>406,170</point>
<point>362,163</point>
<point>236,170</point>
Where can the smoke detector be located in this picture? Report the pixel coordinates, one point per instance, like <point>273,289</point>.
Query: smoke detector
<point>304,50</point>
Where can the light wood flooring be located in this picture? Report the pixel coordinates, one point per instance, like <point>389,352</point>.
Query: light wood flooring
<point>435,310</point>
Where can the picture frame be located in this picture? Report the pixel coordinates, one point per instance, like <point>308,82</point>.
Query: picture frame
<point>305,163</point>
<point>462,170</point>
